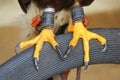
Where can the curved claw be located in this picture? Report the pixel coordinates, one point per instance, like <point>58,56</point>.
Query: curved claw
<point>68,51</point>
<point>60,52</point>
<point>105,47</point>
<point>86,66</point>
<point>36,64</point>
<point>17,47</point>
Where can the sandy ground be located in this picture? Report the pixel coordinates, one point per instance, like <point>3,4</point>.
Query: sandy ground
<point>103,14</point>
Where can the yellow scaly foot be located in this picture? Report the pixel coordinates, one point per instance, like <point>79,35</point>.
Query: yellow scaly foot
<point>80,32</point>
<point>46,35</point>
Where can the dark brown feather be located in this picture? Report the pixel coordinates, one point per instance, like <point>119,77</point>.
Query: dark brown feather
<point>24,4</point>
<point>57,4</point>
<point>85,2</point>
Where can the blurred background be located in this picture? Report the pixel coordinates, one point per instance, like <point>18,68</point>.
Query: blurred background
<point>101,14</point>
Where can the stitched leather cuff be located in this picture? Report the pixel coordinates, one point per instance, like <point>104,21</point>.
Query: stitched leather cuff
<point>77,13</point>
<point>48,17</point>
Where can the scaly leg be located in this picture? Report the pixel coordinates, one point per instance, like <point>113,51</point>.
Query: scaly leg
<point>80,32</point>
<point>46,35</point>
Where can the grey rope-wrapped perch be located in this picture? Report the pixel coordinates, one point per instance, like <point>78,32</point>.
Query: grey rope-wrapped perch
<point>21,66</point>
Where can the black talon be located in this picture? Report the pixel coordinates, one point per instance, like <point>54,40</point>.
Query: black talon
<point>60,52</point>
<point>78,73</point>
<point>86,66</point>
<point>17,47</point>
<point>68,51</point>
<point>105,47</point>
<point>36,64</point>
